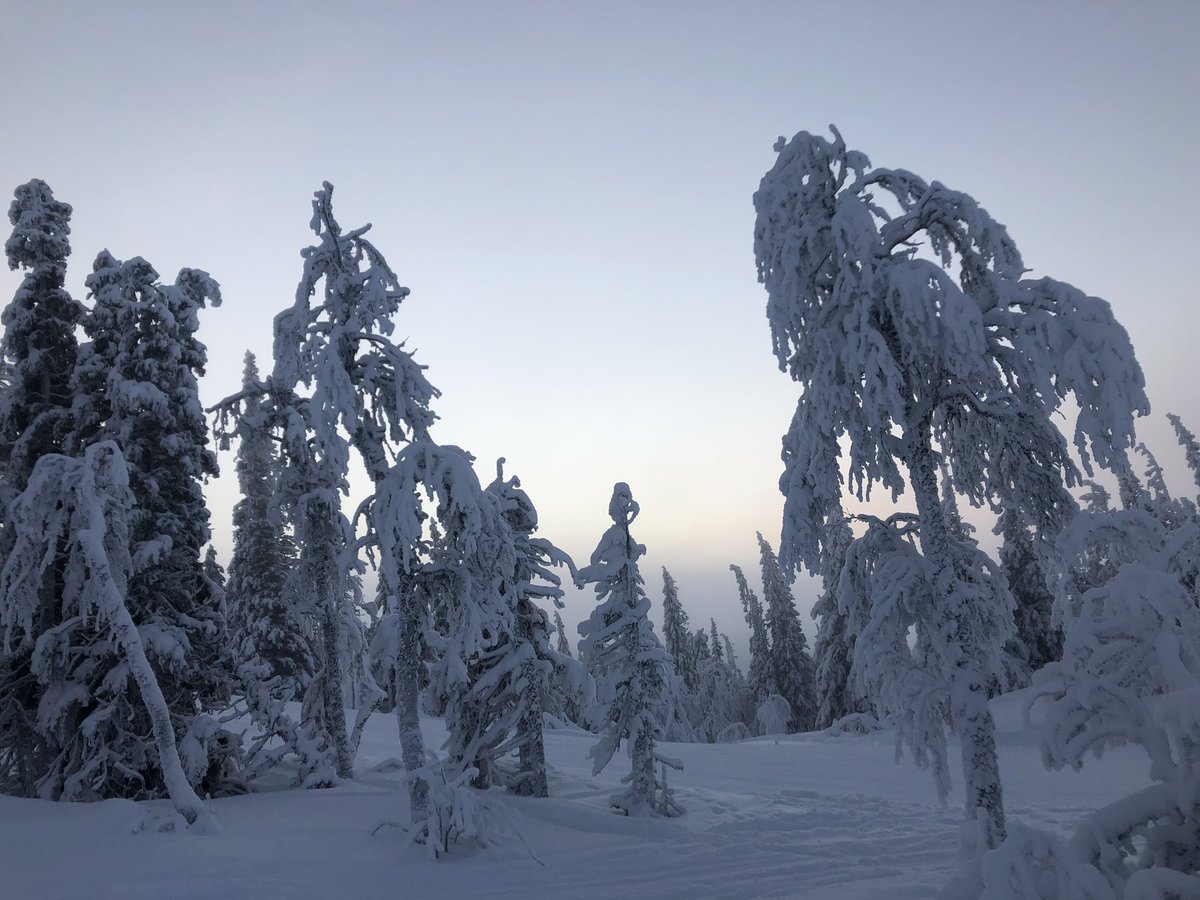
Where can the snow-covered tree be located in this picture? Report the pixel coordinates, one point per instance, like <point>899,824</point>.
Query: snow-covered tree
<point>1036,632</point>
<point>562,645</point>
<point>634,669</point>
<point>1191,447</point>
<point>368,393</point>
<point>263,623</point>
<point>478,655</point>
<point>760,675</point>
<point>565,699</point>
<point>536,584</point>
<point>82,507</point>
<point>213,570</point>
<point>38,351</point>
<point>462,606</point>
<point>730,657</point>
<point>1129,675</point>
<point>38,344</point>
<point>701,651</point>
<point>772,716</point>
<point>677,636</point>
<point>135,384</point>
<point>722,698</point>
<point>886,592</point>
<point>1158,529</point>
<point>528,658</point>
<point>833,647</point>
<point>900,309</point>
<point>791,664</point>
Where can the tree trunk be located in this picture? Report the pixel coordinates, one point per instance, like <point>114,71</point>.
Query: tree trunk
<point>970,716</point>
<point>532,752</point>
<point>331,686</point>
<point>408,718</point>
<point>322,539</point>
<point>642,781</point>
<point>408,666</point>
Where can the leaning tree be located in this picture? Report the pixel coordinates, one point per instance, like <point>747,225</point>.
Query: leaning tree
<point>901,309</point>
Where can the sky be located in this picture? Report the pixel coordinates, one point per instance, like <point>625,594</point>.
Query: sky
<point>566,189</point>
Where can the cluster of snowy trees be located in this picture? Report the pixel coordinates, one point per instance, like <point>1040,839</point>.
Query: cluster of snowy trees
<point>928,362</point>
<point>111,630</point>
<point>127,650</point>
<point>777,695</point>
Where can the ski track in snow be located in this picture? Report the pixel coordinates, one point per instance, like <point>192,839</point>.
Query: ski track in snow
<point>812,816</point>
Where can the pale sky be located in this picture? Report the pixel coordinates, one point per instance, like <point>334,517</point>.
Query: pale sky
<point>566,189</point>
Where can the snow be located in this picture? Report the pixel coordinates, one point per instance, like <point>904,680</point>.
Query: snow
<point>810,815</point>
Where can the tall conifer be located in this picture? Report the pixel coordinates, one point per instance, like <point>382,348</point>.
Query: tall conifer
<point>39,352</point>
<point>791,664</point>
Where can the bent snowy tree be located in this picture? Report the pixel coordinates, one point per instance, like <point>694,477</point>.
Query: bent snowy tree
<point>82,505</point>
<point>900,309</point>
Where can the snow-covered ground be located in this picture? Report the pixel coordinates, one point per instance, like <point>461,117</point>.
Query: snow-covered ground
<point>814,816</point>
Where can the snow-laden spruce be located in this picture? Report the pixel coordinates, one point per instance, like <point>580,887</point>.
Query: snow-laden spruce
<point>677,635</point>
<point>770,712</point>
<point>38,344</point>
<point>136,385</point>
<point>1039,639</point>
<point>530,658</point>
<point>38,352</point>
<point>477,659</point>
<point>1191,447</point>
<point>82,506</point>
<point>493,659</point>
<point>791,664</point>
<point>833,647</point>
<point>273,615</point>
<point>633,669</point>
<point>722,706</point>
<point>901,310</point>
<point>263,624</point>
<point>565,694</point>
<point>460,584</point>
<point>760,676</point>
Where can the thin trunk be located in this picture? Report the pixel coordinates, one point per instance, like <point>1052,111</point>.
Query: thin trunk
<point>331,686</point>
<point>970,716</point>
<point>323,536</point>
<point>532,752</point>
<point>641,785</point>
<point>408,718</point>
<point>408,666</point>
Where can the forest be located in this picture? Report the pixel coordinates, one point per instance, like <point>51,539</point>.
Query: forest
<point>929,369</point>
